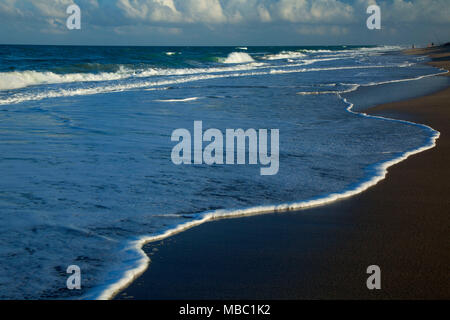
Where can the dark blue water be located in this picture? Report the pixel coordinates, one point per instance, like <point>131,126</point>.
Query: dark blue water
<point>85,148</point>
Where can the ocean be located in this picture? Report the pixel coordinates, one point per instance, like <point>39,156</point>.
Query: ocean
<point>85,147</point>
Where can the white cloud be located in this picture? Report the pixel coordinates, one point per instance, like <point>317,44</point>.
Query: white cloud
<point>150,10</point>
<point>314,17</point>
<point>401,11</point>
<point>54,8</point>
<point>207,11</point>
<point>8,7</point>
<point>173,11</point>
<point>307,11</point>
<point>264,14</point>
<point>235,11</point>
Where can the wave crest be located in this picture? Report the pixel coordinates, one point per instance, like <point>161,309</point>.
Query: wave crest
<point>238,57</point>
<point>21,79</point>
<point>284,55</point>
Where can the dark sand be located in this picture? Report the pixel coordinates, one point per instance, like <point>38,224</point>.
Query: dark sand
<point>402,224</point>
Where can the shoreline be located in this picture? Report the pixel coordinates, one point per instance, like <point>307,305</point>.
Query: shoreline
<point>149,247</point>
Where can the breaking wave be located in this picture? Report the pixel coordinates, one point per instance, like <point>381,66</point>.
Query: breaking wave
<point>238,57</point>
<point>284,55</point>
<point>21,79</point>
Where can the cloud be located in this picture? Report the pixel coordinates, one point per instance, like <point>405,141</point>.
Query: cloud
<point>232,11</point>
<point>322,30</point>
<point>436,11</point>
<point>227,18</point>
<point>206,11</point>
<point>291,11</point>
<point>150,11</point>
<point>263,14</point>
<point>54,9</point>
<point>173,11</point>
<point>319,11</point>
<point>8,8</point>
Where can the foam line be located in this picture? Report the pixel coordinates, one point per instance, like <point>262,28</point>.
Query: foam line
<point>179,100</point>
<point>22,79</point>
<point>356,86</point>
<point>284,55</point>
<point>133,248</point>
<point>23,97</point>
<point>243,61</point>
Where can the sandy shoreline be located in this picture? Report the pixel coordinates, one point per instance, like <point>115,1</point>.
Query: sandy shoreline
<point>402,224</point>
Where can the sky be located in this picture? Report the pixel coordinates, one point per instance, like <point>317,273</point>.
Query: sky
<point>224,22</point>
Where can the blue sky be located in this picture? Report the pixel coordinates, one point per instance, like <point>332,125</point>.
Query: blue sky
<point>224,22</point>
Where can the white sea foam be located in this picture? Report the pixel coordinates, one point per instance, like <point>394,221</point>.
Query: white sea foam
<point>56,93</point>
<point>405,80</point>
<point>353,52</point>
<point>353,87</point>
<point>311,61</point>
<point>238,57</point>
<point>282,71</point>
<point>316,51</point>
<point>243,62</point>
<point>382,48</point>
<point>22,79</point>
<point>284,55</point>
<point>149,72</point>
<point>179,100</point>
<point>137,261</point>
<point>306,93</point>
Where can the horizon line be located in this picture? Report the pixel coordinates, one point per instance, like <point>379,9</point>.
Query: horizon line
<point>225,46</point>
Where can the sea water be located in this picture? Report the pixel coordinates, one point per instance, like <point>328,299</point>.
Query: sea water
<point>85,147</point>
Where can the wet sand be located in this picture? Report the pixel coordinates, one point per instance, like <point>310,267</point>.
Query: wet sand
<point>402,225</point>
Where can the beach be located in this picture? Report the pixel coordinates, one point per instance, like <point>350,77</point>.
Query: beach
<point>402,225</point>
<point>95,154</point>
